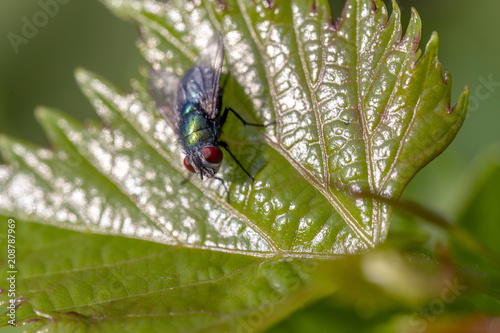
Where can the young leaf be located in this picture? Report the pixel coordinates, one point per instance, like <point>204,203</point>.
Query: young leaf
<point>356,110</point>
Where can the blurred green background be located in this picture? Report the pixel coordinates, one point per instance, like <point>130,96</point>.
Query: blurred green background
<point>85,34</point>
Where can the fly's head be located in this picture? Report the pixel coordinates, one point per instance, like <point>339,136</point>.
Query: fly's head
<point>205,161</point>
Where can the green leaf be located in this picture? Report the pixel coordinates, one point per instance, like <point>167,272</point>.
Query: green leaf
<point>356,110</point>
<point>77,282</point>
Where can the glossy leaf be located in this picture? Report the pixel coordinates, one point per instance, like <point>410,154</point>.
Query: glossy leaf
<point>356,109</point>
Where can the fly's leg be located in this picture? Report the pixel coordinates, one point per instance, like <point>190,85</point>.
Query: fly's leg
<point>224,117</point>
<point>225,187</point>
<point>226,147</point>
<point>227,109</point>
<point>221,180</point>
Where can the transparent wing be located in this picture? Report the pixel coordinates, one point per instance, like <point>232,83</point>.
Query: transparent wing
<point>212,58</point>
<point>163,86</point>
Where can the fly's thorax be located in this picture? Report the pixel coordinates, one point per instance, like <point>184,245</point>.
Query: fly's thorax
<point>195,129</point>
<point>188,108</point>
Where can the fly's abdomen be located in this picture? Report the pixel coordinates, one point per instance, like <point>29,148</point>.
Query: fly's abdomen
<point>194,130</point>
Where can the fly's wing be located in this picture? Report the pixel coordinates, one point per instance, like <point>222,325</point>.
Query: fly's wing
<point>163,87</point>
<point>211,60</point>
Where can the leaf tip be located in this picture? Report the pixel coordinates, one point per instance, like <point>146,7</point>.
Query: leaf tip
<point>48,119</point>
<point>4,141</point>
<point>83,76</point>
<point>6,144</point>
<point>463,102</point>
<point>395,7</point>
<point>414,29</point>
<point>42,113</point>
<point>433,45</point>
<point>89,82</point>
<point>414,13</point>
<point>45,116</point>
<point>119,8</point>
<point>53,121</point>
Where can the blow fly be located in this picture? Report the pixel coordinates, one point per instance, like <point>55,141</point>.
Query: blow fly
<point>192,107</point>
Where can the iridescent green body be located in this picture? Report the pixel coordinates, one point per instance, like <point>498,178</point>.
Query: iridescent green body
<point>196,128</point>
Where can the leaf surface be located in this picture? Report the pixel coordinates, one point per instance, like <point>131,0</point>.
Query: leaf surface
<point>77,282</point>
<point>357,110</point>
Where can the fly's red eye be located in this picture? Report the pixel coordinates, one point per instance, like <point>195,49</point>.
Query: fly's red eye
<point>212,154</point>
<point>187,165</point>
